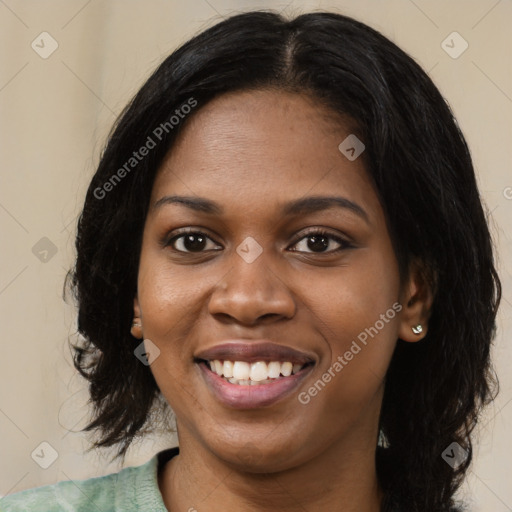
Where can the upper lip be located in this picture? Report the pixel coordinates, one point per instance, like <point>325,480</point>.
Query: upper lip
<point>260,350</point>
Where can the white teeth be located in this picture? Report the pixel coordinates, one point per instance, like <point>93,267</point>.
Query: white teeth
<point>241,370</point>
<point>259,371</point>
<point>274,369</point>
<point>250,374</point>
<point>227,369</point>
<point>217,367</point>
<point>286,369</point>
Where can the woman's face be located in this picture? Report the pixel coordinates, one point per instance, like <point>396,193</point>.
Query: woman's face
<point>265,245</point>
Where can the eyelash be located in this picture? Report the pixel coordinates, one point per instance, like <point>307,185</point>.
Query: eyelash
<point>317,232</point>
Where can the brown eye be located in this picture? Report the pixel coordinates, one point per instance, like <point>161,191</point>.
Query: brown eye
<point>192,242</point>
<point>320,242</point>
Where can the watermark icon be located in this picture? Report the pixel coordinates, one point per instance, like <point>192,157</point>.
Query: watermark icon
<point>44,250</point>
<point>454,45</point>
<point>249,249</point>
<point>351,147</point>
<point>44,455</point>
<point>157,135</point>
<point>454,455</point>
<point>147,352</point>
<point>341,361</point>
<point>249,453</point>
<point>44,45</point>
<point>507,193</point>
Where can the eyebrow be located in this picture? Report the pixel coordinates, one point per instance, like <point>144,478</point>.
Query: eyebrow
<point>302,206</point>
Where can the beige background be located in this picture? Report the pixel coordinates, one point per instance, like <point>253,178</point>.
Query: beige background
<point>54,116</point>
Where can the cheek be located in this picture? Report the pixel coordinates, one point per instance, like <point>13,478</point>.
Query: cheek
<point>357,313</point>
<point>167,306</point>
<point>352,298</point>
<point>167,302</point>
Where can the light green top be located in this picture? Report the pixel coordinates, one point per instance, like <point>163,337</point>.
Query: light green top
<point>132,489</point>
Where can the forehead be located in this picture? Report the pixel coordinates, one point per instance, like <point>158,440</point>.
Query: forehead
<point>257,145</point>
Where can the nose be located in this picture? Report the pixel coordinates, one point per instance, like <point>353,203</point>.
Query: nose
<point>252,293</point>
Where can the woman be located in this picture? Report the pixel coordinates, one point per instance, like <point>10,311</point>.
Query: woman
<point>285,241</point>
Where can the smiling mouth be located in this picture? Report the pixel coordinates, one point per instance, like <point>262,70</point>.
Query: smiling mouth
<point>243,373</point>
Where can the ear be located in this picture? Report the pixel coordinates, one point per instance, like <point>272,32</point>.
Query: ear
<point>416,298</point>
<point>136,329</point>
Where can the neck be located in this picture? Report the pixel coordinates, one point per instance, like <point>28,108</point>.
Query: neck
<point>342,478</point>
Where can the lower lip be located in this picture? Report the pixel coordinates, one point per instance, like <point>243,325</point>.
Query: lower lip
<point>252,397</point>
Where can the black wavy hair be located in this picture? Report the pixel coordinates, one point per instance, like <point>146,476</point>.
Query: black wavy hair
<point>422,170</point>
